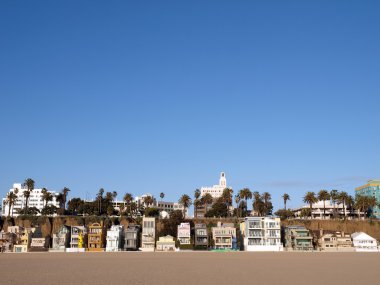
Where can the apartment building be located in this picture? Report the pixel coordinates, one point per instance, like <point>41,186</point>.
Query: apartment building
<point>298,238</point>
<point>200,236</point>
<point>132,237</point>
<point>24,238</point>
<point>35,200</point>
<point>7,241</point>
<point>224,236</point>
<point>371,189</point>
<point>262,234</point>
<point>148,239</point>
<point>334,241</point>
<point>115,238</point>
<point>183,234</point>
<point>96,237</point>
<point>78,239</point>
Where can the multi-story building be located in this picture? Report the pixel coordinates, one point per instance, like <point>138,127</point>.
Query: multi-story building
<point>200,236</point>
<point>298,238</point>
<point>184,234</point>
<point>327,206</point>
<point>61,239</point>
<point>23,240</point>
<point>371,189</point>
<point>115,238</point>
<point>78,239</point>
<point>7,241</point>
<point>35,200</point>
<point>165,243</point>
<point>96,237</point>
<point>262,234</point>
<point>166,208</point>
<point>363,242</point>
<point>132,237</point>
<point>224,236</point>
<point>148,234</point>
<point>334,241</point>
<point>215,191</point>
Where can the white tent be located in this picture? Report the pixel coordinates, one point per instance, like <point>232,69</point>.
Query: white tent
<point>364,242</point>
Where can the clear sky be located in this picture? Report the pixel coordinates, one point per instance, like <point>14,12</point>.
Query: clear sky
<point>160,96</point>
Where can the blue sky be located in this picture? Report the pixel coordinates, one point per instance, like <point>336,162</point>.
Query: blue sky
<point>160,96</point>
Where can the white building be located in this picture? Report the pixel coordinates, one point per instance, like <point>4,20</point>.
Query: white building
<point>262,234</point>
<point>35,200</point>
<point>163,206</point>
<point>364,242</point>
<point>330,208</point>
<point>78,239</point>
<point>183,234</point>
<point>148,234</point>
<point>216,191</point>
<point>115,238</point>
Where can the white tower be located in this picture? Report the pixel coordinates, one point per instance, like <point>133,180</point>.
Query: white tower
<point>222,180</point>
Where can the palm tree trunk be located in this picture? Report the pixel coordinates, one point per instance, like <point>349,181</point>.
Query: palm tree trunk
<point>9,210</point>
<point>324,209</point>
<point>311,211</point>
<point>344,209</point>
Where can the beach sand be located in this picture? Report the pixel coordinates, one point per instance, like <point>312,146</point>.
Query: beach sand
<point>189,268</point>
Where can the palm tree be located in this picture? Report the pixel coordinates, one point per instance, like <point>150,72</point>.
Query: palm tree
<point>59,198</point>
<point>26,194</point>
<point>237,201</point>
<point>121,209</point>
<point>185,201</point>
<point>334,194</point>
<point>350,203</point>
<point>148,200</point>
<point>99,197</point>
<point>133,208</point>
<point>128,198</point>
<point>245,194</point>
<point>11,199</point>
<point>310,199</point>
<point>197,202</point>
<point>268,207</point>
<point>29,183</point>
<point>162,195</point>
<point>207,200</point>
<point>227,198</point>
<point>343,198</point>
<point>324,195</point>
<point>197,193</point>
<point>286,198</point>
<point>258,203</point>
<point>65,192</point>
<point>365,203</point>
<point>46,196</point>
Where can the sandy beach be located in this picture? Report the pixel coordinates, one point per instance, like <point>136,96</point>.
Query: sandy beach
<point>189,268</point>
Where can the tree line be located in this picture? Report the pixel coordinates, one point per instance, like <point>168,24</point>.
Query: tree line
<point>213,207</point>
